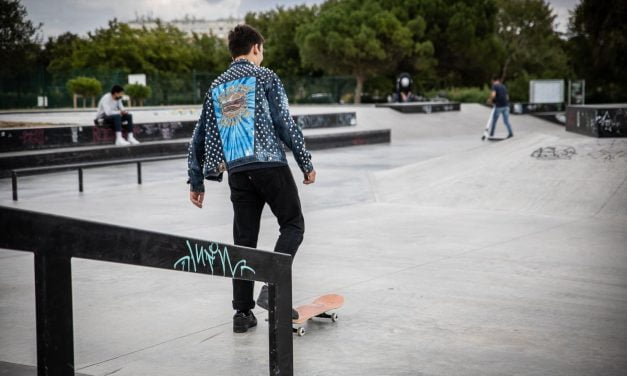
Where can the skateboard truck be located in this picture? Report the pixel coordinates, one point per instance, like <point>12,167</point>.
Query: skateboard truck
<point>301,331</point>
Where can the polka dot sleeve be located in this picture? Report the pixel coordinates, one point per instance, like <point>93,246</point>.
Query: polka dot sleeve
<point>289,132</point>
<point>196,154</point>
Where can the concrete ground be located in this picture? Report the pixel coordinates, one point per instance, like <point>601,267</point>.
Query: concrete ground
<point>455,256</point>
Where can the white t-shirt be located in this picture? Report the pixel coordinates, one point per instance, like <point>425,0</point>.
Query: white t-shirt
<point>108,106</point>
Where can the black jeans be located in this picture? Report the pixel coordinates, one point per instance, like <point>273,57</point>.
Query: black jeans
<point>117,120</point>
<point>250,191</point>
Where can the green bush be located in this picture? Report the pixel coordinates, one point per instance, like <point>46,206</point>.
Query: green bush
<point>518,88</point>
<point>138,92</point>
<point>84,86</point>
<point>463,94</point>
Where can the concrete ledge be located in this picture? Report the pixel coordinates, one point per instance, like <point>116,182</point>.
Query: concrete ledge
<point>36,158</point>
<point>47,137</point>
<point>336,140</point>
<point>554,117</point>
<point>89,154</point>
<point>329,120</point>
<point>598,120</point>
<point>422,107</point>
<point>37,138</point>
<point>520,108</point>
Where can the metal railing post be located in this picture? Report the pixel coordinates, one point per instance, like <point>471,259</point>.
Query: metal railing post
<point>139,172</point>
<point>280,326</point>
<point>14,184</point>
<point>80,179</point>
<point>53,292</point>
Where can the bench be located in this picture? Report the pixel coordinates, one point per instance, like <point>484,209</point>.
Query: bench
<point>81,166</point>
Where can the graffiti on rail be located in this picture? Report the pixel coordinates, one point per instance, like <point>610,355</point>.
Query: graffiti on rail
<point>211,258</point>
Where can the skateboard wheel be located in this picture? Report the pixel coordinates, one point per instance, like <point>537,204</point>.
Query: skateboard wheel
<point>334,317</point>
<point>300,331</point>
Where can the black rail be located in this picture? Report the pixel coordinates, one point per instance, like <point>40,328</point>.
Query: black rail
<point>54,240</point>
<point>85,165</point>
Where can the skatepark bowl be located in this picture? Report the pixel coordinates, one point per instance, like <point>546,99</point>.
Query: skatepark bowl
<point>454,257</point>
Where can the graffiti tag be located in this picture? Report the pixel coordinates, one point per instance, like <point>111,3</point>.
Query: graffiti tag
<point>210,257</point>
<point>33,137</point>
<point>551,153</point>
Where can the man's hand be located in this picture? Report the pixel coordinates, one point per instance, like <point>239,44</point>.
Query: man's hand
<point>310,177</point>
<point>196,198</point>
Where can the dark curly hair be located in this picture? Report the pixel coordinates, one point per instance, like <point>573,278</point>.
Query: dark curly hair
<point>242,38</point>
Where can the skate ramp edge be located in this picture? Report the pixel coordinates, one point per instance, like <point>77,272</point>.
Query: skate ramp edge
<point>535,174</point>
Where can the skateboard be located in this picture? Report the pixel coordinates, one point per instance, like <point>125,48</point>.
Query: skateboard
<point>320,307</point>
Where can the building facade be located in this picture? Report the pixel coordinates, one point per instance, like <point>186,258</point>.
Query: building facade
<point>190,25</point>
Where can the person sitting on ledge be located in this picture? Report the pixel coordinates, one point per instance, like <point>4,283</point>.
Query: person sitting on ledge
<point>111,111</point>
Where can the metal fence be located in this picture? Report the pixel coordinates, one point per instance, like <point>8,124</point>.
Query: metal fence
<point>54,240</point>
<point>167,88</point>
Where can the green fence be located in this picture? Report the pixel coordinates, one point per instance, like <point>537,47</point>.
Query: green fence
<point>167,88</point>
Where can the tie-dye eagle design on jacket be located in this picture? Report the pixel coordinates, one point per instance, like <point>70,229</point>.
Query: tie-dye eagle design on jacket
<point>244,120</point>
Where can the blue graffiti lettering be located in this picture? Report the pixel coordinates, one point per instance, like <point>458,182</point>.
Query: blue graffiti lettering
<point>199,256</point>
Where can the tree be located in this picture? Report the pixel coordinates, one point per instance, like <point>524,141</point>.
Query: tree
<point>85,87</point>
<point>138,92</point>
<point>163,49</point>
<point>419,60</point>
<point>597,43</point>
<point>460,33</point>
<point>281,50</point>
<point>209,53</point>
<point>19,39</point>
<point>57,55</point>
<point>164,53</point>
<point>529,40</point>
<point>355,37</point>
<point>470,42</point>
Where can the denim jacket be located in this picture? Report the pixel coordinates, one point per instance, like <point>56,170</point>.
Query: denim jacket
<point>243,121</point>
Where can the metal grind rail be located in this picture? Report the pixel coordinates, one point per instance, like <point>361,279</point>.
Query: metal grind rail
<point>54,240</point>
<point>80,167</point>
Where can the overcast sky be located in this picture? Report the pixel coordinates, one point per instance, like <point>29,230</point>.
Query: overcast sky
<point>81,16</point>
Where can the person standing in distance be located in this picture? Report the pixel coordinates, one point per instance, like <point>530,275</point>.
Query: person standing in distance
<point>500,100</point>
<point>244,121</point>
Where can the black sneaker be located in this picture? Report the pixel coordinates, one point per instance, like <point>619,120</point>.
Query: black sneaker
<point>242,321</point>
<point>262,301</point>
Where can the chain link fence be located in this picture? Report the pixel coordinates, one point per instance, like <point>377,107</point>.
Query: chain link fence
<point>167,88</point>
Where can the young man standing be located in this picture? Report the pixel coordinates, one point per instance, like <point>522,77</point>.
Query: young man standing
<point>111,111</point>
<point>244,121</point>
<point>500,100</point>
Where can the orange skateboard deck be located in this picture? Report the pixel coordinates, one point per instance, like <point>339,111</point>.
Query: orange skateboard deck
<point>318,308</point>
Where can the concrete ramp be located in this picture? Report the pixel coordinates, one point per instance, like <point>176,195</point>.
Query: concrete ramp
<point>535,174</point>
